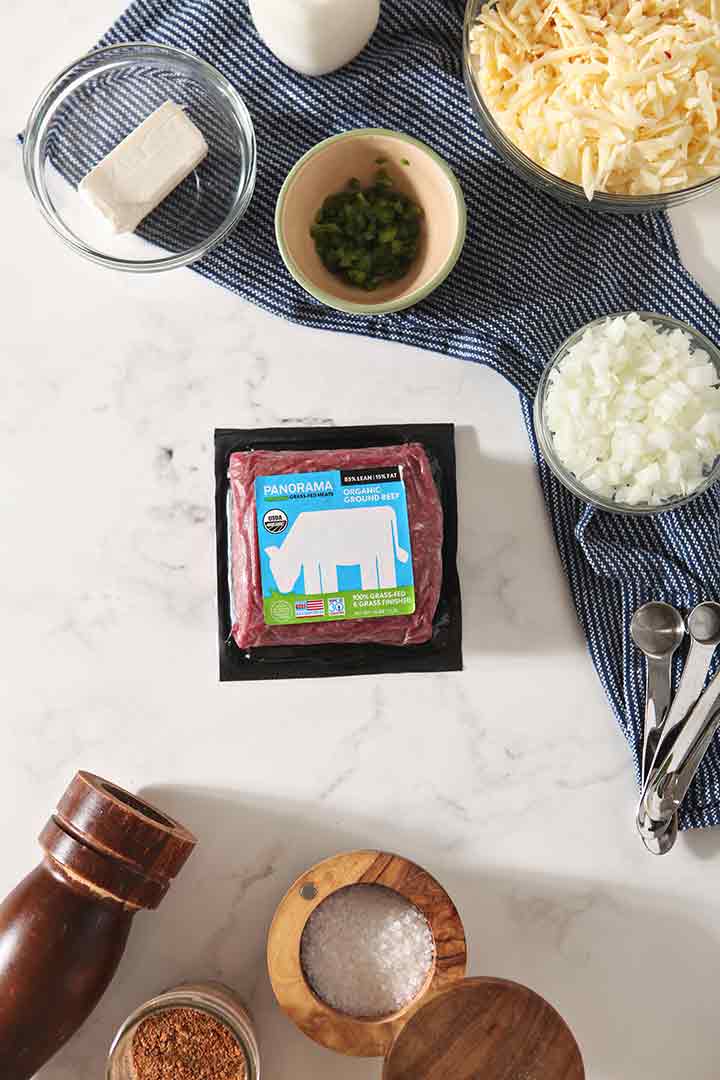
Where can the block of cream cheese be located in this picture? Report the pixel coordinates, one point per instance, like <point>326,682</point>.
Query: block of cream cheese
<point>145,167</point>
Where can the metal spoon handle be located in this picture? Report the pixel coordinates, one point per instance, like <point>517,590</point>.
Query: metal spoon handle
<point>691,685</point>
<point>682,783</point>
<point>676,771</point>
<point>657,706</point>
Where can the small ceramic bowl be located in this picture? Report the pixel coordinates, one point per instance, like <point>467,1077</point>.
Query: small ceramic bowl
<point>416,170</point>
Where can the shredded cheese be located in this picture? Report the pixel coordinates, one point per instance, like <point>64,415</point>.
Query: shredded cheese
<point>615,96</point>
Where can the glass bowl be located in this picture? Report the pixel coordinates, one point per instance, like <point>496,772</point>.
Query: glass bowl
<point>211,998</point>
<point>540,178</point>
<point>98,100</point>
<point>545,436</point>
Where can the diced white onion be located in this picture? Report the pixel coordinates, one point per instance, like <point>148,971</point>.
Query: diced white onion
<point>634,411</point>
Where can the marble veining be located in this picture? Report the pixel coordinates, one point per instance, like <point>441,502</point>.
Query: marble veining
<point>510,782</point>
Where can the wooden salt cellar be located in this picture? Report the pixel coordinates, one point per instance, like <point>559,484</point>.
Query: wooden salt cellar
<point>63,930</point>
<point>458,1027</point>
<point>327,1026</point>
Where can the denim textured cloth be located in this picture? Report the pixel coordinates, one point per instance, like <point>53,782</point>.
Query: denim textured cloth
<point>532,271</point>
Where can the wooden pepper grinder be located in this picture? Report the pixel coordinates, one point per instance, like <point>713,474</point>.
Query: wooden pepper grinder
<point>64,928</point>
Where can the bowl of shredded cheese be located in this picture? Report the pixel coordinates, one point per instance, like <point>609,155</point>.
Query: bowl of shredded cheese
<point>627,413</point>
<point>612,105</point>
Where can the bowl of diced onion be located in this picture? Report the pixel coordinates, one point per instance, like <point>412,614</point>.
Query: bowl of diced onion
<point>615,108</point>
<point>627,413</point>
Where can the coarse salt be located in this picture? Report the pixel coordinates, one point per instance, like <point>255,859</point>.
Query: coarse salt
<point>634,411</point>
<point>367,951</point>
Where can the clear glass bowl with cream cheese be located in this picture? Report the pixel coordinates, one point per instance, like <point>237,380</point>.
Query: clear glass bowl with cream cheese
<point>99,100</point>
<point>541,178</point>
<point>544,433</point>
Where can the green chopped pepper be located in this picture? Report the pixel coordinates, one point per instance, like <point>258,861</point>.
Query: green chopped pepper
<point>370,236</point>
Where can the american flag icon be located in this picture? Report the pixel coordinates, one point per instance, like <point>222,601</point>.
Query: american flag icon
<point>309,609</point>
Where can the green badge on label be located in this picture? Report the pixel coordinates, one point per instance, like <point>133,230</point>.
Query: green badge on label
<point>369,604</point>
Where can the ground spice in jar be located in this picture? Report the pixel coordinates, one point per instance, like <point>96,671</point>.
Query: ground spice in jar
<point>186,1044</point>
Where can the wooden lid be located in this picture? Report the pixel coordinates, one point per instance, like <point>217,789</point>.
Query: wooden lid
<point>116,842</point>
<point>488,1028</point>
<point>327,1026</point>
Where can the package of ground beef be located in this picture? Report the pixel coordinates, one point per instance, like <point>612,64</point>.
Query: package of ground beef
<point>336,551</point>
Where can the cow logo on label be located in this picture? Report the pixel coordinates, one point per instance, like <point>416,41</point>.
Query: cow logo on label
<point>320,542</point>
<point>275,521</point>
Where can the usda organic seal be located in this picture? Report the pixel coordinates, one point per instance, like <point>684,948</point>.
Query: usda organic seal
<point>275,521</point>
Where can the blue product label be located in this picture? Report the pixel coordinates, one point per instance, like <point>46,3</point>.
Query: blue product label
<point>334,545</point>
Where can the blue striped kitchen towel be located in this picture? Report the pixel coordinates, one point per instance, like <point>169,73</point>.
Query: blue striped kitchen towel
<point>532,271</point>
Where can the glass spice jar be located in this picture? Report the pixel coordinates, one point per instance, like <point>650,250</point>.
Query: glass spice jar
<point>211,998</point>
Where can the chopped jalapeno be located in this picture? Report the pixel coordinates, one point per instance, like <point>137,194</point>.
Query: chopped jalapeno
<point>368,236</point>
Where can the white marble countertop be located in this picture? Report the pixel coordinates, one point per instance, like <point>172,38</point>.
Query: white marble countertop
<point>510,781</point>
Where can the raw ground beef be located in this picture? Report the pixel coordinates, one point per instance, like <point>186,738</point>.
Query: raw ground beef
<point>426,535</point>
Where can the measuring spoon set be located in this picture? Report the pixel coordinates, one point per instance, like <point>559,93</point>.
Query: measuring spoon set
<point>677,731</point>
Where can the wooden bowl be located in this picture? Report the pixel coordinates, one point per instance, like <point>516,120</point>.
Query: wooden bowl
<point>416,170</point>
<point>333,1029</point>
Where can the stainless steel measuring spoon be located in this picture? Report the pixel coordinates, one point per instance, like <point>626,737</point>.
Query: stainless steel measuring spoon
<point>682,744</point>
<point>658,630</point>
<point>677,771</point>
